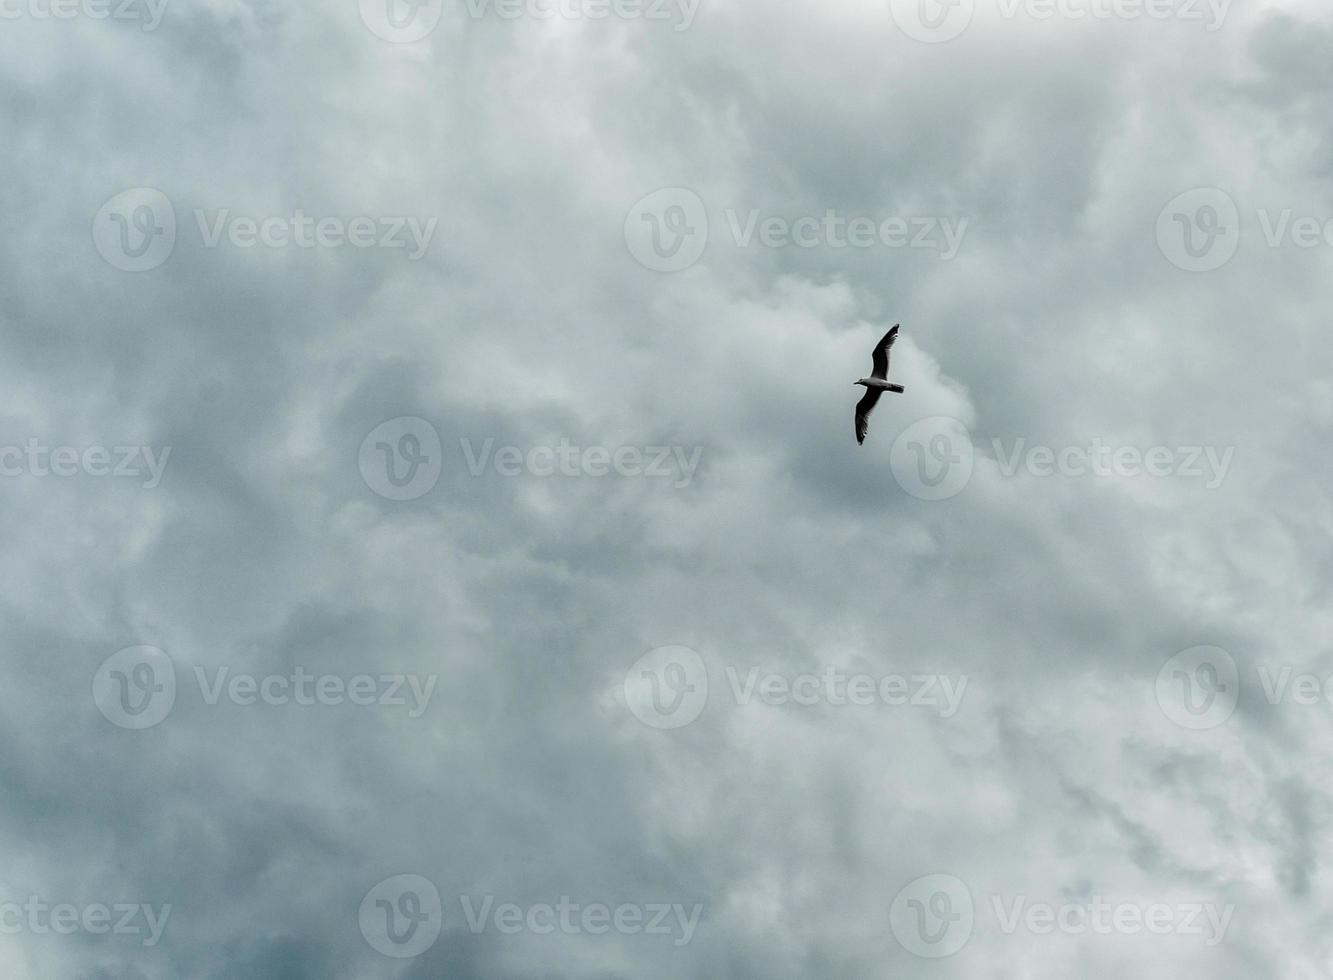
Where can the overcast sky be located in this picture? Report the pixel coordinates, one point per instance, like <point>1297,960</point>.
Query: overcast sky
<point>437,544</point>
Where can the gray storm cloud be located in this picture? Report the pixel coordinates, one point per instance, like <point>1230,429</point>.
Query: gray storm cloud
<point>356,276</point>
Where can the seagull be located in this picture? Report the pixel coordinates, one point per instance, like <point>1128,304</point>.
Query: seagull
<point>875,384</point>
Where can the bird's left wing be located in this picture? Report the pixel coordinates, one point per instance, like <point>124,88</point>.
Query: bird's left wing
<point>880,358</point>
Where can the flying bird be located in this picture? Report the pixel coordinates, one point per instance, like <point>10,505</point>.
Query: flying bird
<point>877,383</point>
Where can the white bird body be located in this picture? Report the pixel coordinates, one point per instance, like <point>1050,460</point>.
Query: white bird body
<point>881,384</point>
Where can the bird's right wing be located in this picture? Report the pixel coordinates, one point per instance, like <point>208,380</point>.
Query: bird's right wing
<point>880,358</point>
<point>863,410</point>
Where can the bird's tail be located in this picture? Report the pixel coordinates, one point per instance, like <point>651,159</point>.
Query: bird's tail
<point>896,389</point>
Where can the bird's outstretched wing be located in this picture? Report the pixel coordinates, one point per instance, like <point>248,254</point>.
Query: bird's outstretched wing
<point>880,359</point>
<point>863,409</point>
